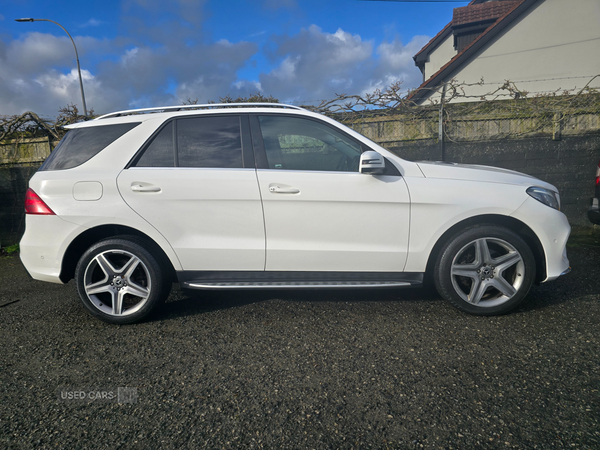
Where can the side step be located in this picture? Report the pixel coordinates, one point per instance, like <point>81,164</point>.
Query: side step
<point>296,285</point>
<point>297,280</point>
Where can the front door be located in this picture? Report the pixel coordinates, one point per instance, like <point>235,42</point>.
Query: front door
<point>321,214</point>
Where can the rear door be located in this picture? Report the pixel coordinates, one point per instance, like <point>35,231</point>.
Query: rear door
<point>195,182</point>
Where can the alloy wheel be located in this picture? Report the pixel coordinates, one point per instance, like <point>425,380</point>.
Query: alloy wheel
<point>487,272</point>
<point>117,282</point>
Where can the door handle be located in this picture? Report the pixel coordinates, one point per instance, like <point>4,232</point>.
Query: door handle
<point>281,190</point>
<point>141,188</point>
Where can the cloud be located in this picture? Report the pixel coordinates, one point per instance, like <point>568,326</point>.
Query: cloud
<point>161,58</point>
<point>143,74</point>
<point>315,65</point>
<point>395,64</point>
<point>38,50</point>
<point>91,23</point>
<point>37,71</point>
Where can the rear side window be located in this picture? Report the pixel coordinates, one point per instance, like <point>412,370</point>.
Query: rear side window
<point>209,142</point>
<point>81,144</point>
<point>203,142</point>
<point>160,152</point>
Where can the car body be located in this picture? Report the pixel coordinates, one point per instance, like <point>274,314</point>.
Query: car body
<point>261,196</point>
<point>594,210</point>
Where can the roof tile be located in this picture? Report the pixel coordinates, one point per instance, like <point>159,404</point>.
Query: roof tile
<point>481,12</point>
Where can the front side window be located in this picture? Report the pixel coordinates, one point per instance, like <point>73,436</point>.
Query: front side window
<point>294,143</point>
<point>81,144</point>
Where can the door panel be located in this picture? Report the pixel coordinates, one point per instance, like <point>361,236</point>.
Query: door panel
<point>336,221</point>
<point>211,217</point>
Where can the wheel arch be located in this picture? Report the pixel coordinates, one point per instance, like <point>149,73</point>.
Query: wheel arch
<point>89,237</point>
<point>515,225</point>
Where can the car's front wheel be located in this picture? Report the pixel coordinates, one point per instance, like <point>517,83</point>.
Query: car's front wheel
<point>485,270</point>
<point>120,281</point>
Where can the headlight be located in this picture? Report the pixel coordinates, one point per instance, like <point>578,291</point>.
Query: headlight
<point>545,196</point>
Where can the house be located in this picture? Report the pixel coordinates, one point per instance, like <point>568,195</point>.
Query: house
<point>540,46</point>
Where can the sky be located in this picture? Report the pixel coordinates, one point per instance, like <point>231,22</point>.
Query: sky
<point>146,53</point>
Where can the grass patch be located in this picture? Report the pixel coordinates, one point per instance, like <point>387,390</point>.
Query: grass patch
<point>10,250</point>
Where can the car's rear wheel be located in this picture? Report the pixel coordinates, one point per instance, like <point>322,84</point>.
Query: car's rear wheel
<point>485,270</point>
<point>120,281</point>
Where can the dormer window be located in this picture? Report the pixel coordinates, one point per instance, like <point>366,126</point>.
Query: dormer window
<point>469,22</point>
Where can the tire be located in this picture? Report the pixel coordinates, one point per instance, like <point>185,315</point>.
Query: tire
<point>119,281</point>
<point>485,270</point>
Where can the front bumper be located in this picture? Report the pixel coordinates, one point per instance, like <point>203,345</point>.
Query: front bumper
<point>552,229</point>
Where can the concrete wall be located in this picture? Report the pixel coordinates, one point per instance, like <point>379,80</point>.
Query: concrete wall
<point>13,185</point>
<point>19,151</point>
<point>549,117</point>
<point>19,160</point>
<point>569,164</point>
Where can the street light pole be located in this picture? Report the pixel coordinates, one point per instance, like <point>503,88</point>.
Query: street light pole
<point>76,55</point>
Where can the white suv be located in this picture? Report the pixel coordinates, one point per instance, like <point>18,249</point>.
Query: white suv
<point>259,196</point>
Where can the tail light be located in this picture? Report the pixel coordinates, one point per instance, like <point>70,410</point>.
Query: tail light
<point>35,205</point>
<point>598,175</point>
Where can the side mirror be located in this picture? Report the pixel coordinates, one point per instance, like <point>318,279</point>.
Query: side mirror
<point>371,162</point>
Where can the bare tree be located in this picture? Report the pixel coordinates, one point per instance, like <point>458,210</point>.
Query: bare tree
<point>70,114</point>
<point>255,98</point>
<point>28,123</point>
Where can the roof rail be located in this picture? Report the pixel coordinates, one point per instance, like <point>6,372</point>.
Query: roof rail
<point>129,112</point>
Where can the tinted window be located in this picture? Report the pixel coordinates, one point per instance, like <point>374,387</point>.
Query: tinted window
<point>81,144</point>
<point>159,152</point>
<point>295,143</point>
<point>209,142</point>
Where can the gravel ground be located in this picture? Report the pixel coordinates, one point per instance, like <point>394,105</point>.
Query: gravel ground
<point>302,370</point>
